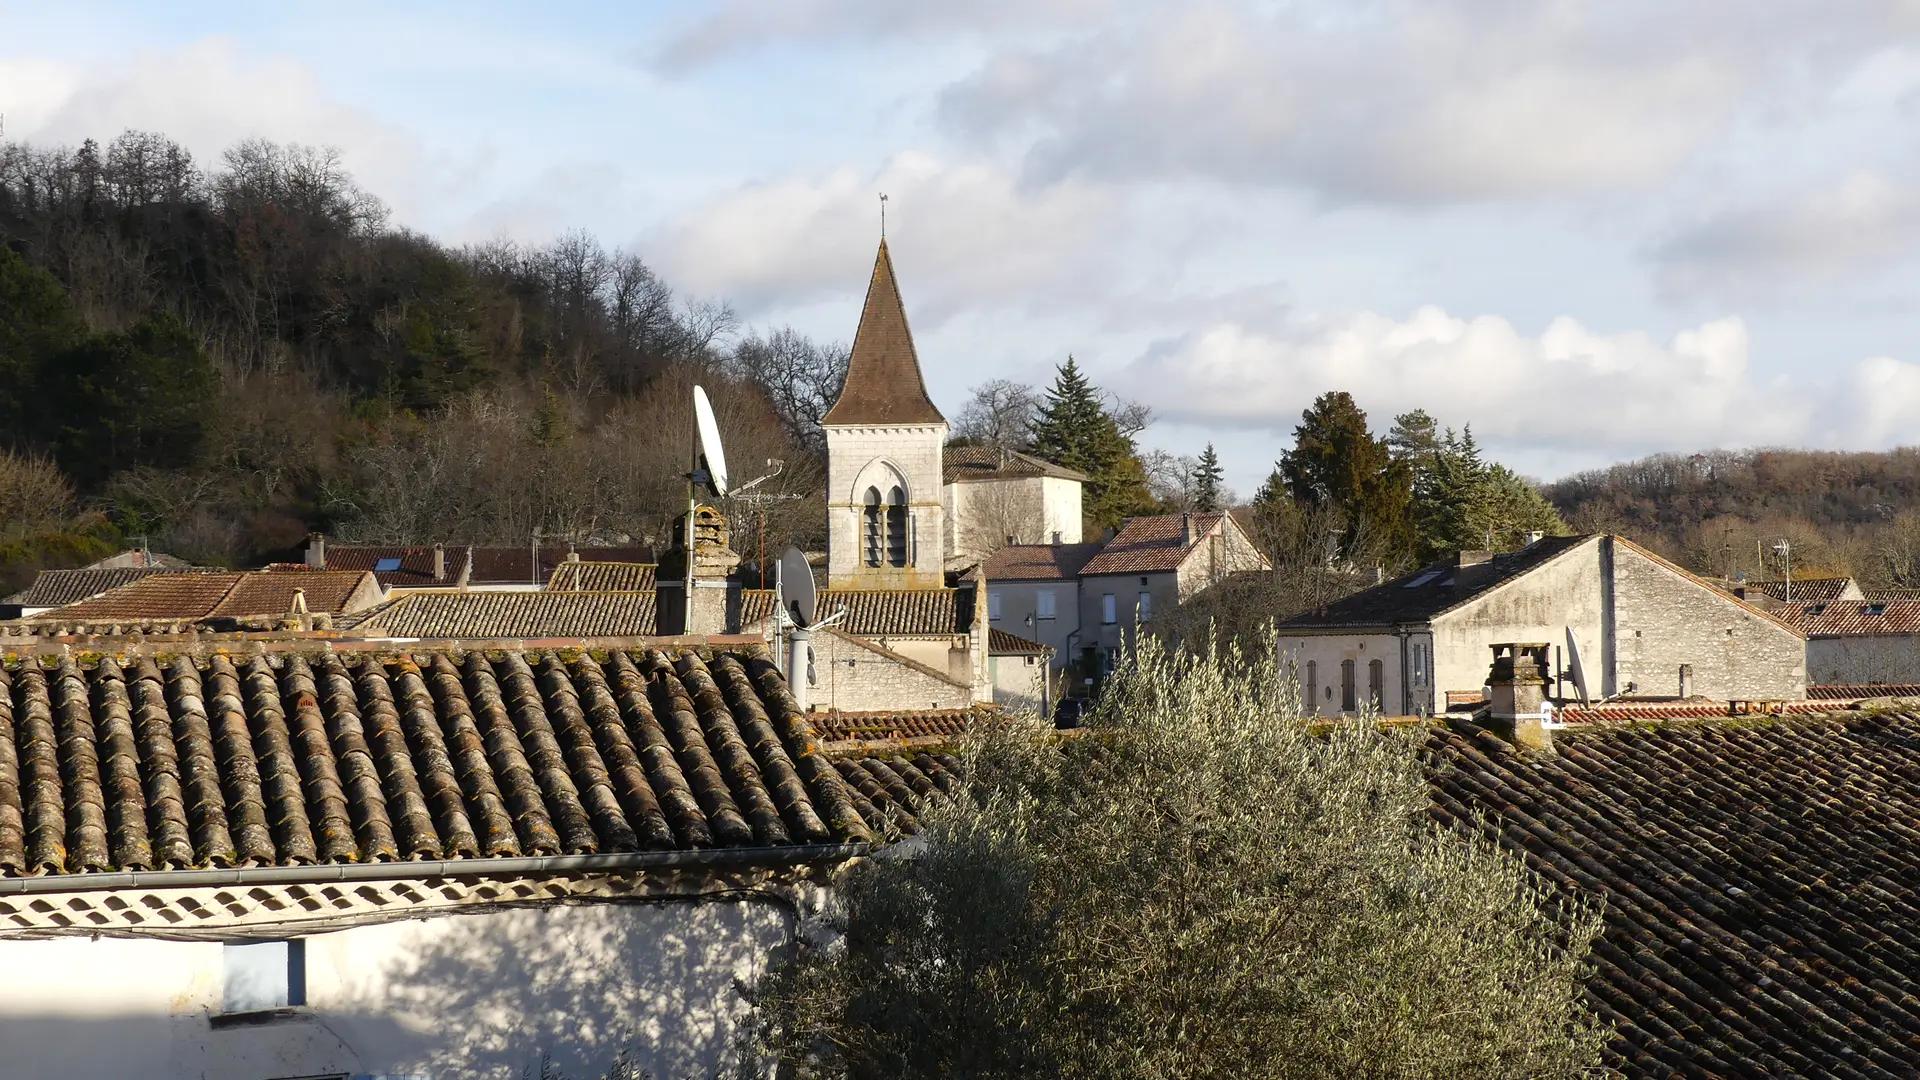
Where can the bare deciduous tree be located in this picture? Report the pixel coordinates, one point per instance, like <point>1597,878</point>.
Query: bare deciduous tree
<point>999,413</point>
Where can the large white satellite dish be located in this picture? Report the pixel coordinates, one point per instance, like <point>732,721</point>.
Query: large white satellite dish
<point>1576,668</point>
<point>716,458</point>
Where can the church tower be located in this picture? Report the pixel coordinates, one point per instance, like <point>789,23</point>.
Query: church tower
<point>884,441</point>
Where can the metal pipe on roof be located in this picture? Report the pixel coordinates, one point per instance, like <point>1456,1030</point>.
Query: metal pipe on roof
<point>328,873</point>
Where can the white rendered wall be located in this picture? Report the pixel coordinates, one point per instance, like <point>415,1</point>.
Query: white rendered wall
<point>456,996</point>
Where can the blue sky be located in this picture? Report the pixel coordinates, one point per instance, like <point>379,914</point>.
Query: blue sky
<point>1591,231</point>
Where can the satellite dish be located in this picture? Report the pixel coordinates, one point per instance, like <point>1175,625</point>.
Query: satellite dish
<point>716,458</point>
<point>796,587</point>
<point>1576,668</point>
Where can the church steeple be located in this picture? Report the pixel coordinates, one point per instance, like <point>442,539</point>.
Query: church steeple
<point>883,384</point>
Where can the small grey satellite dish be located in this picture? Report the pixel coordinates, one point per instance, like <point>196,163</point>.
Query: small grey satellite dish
<point>716,458</point>
<point>1576,668</point>
<point>796,587</point>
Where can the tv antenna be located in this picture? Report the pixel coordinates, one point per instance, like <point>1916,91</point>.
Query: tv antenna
<point>798,604</point>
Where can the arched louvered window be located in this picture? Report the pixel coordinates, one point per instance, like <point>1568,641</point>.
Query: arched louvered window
<point>896,527</point>
<point>870,527</point>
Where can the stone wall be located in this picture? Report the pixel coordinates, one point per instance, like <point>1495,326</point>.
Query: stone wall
<point>1663,618</point>
<point>1862,659</point>
<point>859,457</point>
<point>862,677</point>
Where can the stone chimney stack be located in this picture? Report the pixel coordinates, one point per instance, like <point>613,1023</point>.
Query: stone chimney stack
<point>317,550</point>
<point>1686,681</point>
<point>439,562</point>
<point>1519,684</point>
<point>1186,528</point>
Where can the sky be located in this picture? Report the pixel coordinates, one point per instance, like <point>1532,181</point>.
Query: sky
<point>1592,231</point>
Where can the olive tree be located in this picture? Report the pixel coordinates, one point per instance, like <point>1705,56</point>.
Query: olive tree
<point>1199,885</point>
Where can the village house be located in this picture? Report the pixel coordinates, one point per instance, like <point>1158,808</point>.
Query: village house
<point>1644,627</point>
<point>1151,565</point>
<point>994,496</point>
<point>1755,923</point>
<point>177,602</point>
<point>441,566</point>
<point>1856,642</point>
<point>310,858</point>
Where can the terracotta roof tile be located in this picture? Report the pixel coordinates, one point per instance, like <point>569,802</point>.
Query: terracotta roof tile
<point>1846,617</point>
<point>58,588</point>
<point>582,576</point>
<point>1804,589</point>
<point>1148,545</point>
<point>508,615</point>
<point>499,565</point>
<point>963,463</point>
<point>289,758</point>
<point>883,384</point>
<point>1001,643</point>
<point>189,596</point>
<point>879,612</point>
<point>904,724</point>
<point>1761,880</point>
<point>1863,691</point>
<point>1039,562</point>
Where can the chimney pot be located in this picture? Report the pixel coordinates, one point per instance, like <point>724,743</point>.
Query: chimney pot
<point>1517,685</point>
<point>1186,528</point>
<point>317,550</point>
<point>1534,537</point>
<point>1686,681</point>
<point>1056,538</point>
<point>1379,575</point>
<point>439,563</point>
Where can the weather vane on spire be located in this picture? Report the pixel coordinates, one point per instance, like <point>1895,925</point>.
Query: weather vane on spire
<point>883,215</point>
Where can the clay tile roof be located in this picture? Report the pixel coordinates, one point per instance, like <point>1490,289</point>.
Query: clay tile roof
<point>1001,643</point>
<point>1039,562</point>
<point>963,463</point>
<point>271,592</point>
<point>1847,617</point>
<point>411,567</point>
<point>883,384</point>
<point>1761,881</point>
<point>581,576</point>
<point>898,612</point>
<point>342,757</point>
<point>1433,589</point>
<point>1804,589</point>
<point>1862,691</point>
<point>58,588</point>
<point>1148,545</point>
<point>905,724</point>
<point>508,615</point>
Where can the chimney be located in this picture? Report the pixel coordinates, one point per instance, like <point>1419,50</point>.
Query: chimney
<point>1686,681</point>
<point>466,569</point>
<point>1473,558</point>
<point>1534,537</point>
<point>1518,682</point>
<point>1056,538</point>
<point>439,563</point>
<point>1186,528</point>
<point>317,550</point>
<point>1379,575</point>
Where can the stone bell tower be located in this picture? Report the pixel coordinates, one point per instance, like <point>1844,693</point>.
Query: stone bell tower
<point>885,524</point>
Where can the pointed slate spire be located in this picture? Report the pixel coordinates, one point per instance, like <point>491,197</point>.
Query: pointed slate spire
<point>883,377</point>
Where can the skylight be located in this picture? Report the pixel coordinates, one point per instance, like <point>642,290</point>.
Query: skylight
<point>1421,580</point>
<point>386,566</point>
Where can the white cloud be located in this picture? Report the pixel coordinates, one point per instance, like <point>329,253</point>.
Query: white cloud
<point>1568,389</point>
<point>1411,101</point>
<point>965,235</point>
<point>208,95</point>
<point>729,27</point>
<point>1865,222</point>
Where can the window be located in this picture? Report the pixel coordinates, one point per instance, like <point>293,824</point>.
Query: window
<point>1109,611</point>
<point>1146,607</point>
<point>386,566</point>
<point>870,526</point>
<point>1043,604</point>
<point>896,527</point>
<point>1377,683</point>
<point>260,975</point>
<point>1313,687</point>
<point>1422,579</point>
<point>1348,701</point>
<point>993,606</point>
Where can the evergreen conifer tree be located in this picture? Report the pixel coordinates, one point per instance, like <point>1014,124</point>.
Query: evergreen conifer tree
<point>1075,431</point>
<point>1206,481</point>
<point>1336,461</point>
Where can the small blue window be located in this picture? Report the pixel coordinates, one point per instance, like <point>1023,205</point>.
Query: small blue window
<point>385,566</point>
